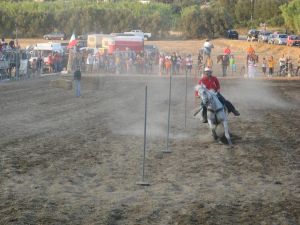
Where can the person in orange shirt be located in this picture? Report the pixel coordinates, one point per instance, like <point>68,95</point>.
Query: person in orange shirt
<point>50,63</point>
<point>208,62</point>
<point>168,65</point>
<point>271,64</point>
<point>250,50</point>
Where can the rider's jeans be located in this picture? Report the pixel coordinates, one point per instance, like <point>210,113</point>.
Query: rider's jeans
<point>225,102</point>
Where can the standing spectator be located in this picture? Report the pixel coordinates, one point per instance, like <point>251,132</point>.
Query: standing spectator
<point>96,63</point>
<point>250,50</point>
<point>271,64</point>
<point>2,41</point>
<point>199,63</point>
<point>168,65</point>
<point>178,64</point>
<point>89,62</point>
<point>34,67</point>
<point>77,79</point>
<point>161,64</point>
<point>56,62</point>
<point>298,66</point>
<point>224,63</point>
<point>282,65</point>
<point>227,51</point>
<point>289,65</point>
<point>232,64</point>
<point>188,64</point>
<point>50,63</point>
<point>174,62</point>
<point>264,66</point>
<point>12,44</point>
<point>39,64</point>
<point>209,62</point>
<point>118,63</point>
<point>129,63</point>
<point>251,67</point>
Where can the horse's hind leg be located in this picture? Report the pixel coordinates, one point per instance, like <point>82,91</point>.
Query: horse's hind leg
<point>214,134</point>
<point>225,124</point>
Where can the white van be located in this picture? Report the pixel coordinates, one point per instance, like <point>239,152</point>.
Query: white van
<point>44,50</point>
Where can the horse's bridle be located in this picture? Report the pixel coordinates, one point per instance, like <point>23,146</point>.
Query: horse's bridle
<point>208,99</point>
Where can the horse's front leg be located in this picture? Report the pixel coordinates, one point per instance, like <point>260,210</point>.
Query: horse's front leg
<point>213,129</point>
<point>225,124</point>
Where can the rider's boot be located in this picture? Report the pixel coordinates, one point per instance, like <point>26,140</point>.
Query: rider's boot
<point>235,112</point>
<point>204,115</point>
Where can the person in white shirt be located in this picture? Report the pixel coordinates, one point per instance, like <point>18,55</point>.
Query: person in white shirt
<point>282,62</point>
<point>89,62</point>
<point>188,64</point>
<point>207,47</point>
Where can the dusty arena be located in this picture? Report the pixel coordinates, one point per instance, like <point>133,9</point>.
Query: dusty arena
<point>67,160</point>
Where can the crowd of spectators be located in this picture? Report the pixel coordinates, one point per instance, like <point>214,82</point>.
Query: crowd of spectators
<point>120,62</point>
<point>4,46</point>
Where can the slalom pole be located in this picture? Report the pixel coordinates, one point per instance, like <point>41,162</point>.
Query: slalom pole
<point>143,182</point>
<point>185,102</point>
<point>167,150</point>
<point>203,55</point>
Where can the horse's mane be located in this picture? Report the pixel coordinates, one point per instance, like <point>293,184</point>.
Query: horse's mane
<point>211,93</point>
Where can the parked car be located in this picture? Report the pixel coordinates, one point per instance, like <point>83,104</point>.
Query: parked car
<point>146,36</point>
<point>151,49</point>
<point>271,39</point>
<point>253,35</point>
<point>293,40</point>
<point>84,36</point>
<point>232,34</point>
<point>264,36</point>
<point>280,39</point>
<point>55,36</point>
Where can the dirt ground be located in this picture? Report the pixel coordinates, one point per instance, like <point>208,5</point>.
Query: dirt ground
<point>67,160</point>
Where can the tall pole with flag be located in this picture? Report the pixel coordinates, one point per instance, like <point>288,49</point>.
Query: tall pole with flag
<point>72,42</point>
<point>71,45</point>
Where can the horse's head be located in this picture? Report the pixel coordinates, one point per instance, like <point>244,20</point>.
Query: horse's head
<point>203,93</point>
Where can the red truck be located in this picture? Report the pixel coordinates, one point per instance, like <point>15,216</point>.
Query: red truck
<point>293,40</point>
<point>123,43</point>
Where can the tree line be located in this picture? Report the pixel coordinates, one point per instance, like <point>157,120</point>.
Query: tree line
<point>194,18</point>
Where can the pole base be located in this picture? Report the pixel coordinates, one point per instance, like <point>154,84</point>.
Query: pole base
<point>143,183</point>
<point>166,151</point>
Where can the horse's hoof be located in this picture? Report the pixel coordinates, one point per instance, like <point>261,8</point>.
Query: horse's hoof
<point>230,147</point>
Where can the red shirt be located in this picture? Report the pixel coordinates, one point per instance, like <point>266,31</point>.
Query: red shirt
<point>210,83</point>
<point>227,51</point>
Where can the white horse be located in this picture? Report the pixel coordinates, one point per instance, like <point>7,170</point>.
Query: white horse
<point>215,111</point>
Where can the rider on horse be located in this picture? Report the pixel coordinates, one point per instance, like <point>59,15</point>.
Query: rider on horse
<point>212,83</point>
<point>207,47</point>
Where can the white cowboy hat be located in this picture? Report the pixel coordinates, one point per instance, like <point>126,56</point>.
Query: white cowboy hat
<point>207,69</point>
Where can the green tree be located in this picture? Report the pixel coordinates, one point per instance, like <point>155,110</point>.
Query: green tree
<point>291,15</point>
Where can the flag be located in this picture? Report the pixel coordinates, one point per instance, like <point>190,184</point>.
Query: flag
<point>72,41</point>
